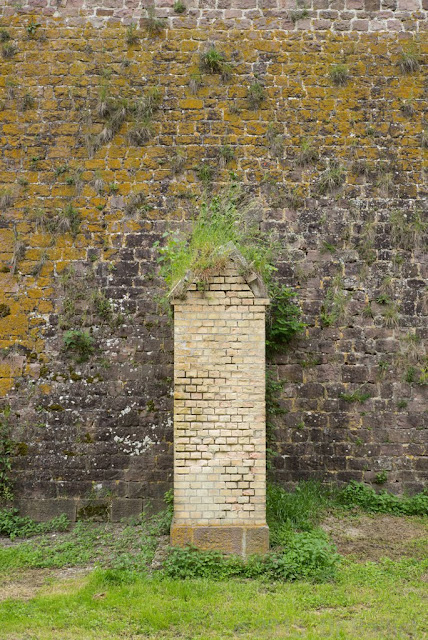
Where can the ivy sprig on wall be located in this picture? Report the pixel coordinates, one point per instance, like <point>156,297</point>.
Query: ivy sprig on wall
<point>6,452</point>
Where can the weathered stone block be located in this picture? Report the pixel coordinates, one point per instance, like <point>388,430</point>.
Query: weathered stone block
<point>43,510</point>
<point>256,540</point>
<point>123,508</point>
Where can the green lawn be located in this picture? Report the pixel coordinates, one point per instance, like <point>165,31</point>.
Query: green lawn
<point>366,601</point>
<point>99,581</point>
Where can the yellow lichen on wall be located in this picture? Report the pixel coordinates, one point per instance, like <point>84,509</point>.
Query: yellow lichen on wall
<point>54,155</point>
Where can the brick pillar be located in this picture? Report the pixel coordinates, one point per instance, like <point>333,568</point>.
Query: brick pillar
<point>219,414</point>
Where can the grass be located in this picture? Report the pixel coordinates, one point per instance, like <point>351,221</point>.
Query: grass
<point>224,218</point>
<point>373,601</point>
<point>122,598</point>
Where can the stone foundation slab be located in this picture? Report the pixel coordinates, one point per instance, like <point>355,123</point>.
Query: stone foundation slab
<point>241,540</point>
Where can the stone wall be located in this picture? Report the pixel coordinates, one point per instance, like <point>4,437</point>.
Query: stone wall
<point>290,15</point>
<point>107,144</point>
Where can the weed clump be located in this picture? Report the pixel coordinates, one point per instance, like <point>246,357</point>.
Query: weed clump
<point>255,95</point>
<point>307,154</point>
<point>409,60</point>
<point>4,310</point>
<point>339,74</point>
<point>307,556</point>
<point>80,343</point>
<point>179,7</point>
<point>9,50</point>
<point>131,36</point>
<point>154,26</point>
<point>283,319</point>
<point>357,494</point>
<point>4,35</point>
<point>214,62</point>
<point>330,179</point>
<point>229,218</point>
<point>14,526</point>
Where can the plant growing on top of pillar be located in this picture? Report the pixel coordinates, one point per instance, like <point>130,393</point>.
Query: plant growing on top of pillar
<point>226,217</point>
<point>232,217</point>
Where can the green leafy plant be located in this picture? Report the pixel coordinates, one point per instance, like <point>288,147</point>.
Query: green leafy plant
<point>328,247</point>
<point>69,220</point>
<point>227,154</point>
<point>60,170</point>
<point>205,173</point>
<point>366,247</point>
<point>225,218</point>
<point>137,203</point>
<point>14,526</point>
<point>339,74</point>
<point>283,319</point>
<point>255,95</point>
<point>32,28</point>
<point>28,102</point>
<point>408,229</point>
<point>300,12</point>
<point>383,367</point>
<point>102,305</point>
<point>307,556</point>
<point>391,315</point>
<point>143,111</point>
<point>381,477</point>
<point>356,494</point>
<point>383,298</point>
<point>214,62</point>
<point>80,343</point>
<point>140,133</point>
<point>6,452</point>
<point>410,375</point>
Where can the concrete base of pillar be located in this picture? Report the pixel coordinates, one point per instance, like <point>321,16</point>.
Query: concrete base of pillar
<point>243,540</point>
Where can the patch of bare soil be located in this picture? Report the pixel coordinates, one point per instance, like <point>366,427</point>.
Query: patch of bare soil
<point>25,584</point>
<point>371,537</point>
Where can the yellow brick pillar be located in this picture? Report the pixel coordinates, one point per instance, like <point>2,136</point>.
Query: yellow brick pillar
<point>219,412</point>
